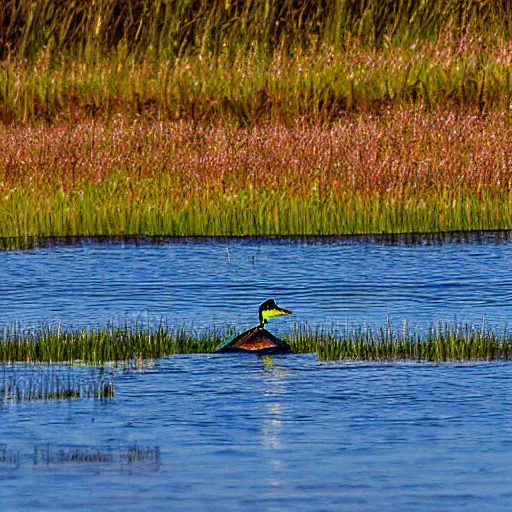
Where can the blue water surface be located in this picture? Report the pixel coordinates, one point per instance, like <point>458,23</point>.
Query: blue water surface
<point>281,434</point>
<point>213,282</point>
<point>243,433</point>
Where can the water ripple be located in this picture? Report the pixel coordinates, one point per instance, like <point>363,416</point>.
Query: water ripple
<point>196,283</point>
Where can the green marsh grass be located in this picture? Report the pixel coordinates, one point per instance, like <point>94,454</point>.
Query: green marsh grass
<point>54,344</point>
<point>263,213</point>
<point>321,86</point>
<point>243,118</point>
<point>134,343</point>
<point>439,343</point>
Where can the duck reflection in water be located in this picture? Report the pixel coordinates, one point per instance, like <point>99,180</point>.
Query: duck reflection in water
<point>274,377</point>
<point>257,339</point>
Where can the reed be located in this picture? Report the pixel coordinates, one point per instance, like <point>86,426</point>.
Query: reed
<point>265,213</point>
<point>52,344</point>
<point>439,343</point>
<point>134,343</point>
<point>404,171</point>
<point>249,89</point>
<point>249,61</point>
<point>321,86</point>
<point>184,26</point>
<point>54,383</point>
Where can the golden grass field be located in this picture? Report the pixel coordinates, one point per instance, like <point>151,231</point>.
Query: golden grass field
<point>238,118</point>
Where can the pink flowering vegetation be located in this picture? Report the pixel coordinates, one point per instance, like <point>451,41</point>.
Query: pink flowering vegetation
<point>398,152</point>
<point>402,170</point>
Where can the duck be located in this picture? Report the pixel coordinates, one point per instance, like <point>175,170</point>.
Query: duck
<point>257,339</point>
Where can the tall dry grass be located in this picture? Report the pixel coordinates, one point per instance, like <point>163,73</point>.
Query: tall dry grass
<point>249,88</point>
<point>172,28</point>
<point>249,62</point>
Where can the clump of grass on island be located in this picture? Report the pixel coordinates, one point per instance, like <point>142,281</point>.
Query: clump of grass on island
<point>439,343</point>
<point>133,343</point>
<point>53,344</point>
<point>403,171</point>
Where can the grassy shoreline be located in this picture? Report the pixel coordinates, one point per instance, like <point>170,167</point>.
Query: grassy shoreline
<point>404,171</point>
<point>58,215</point>
<point>54,344</point>
<point>241,118</point>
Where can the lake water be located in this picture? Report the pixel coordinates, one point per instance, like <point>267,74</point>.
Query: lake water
<point>213,282</point>
<point>288,433</point>
<point>282,434</point>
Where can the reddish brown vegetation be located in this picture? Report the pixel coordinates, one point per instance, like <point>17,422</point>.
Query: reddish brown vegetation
<point>399,153</point>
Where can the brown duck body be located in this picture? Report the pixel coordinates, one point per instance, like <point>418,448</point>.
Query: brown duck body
<point>256,340</point>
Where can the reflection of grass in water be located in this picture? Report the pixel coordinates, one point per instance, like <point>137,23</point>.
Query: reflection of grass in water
<point>53,455</point>
<point>133,343</point>
<point>55,383</point>
<point>135,454</point>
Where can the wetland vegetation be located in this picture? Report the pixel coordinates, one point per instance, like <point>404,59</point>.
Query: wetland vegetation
<point>149,120</point>
<point>250,61</point>
<point>240,118</point>
<point>127,343</point>
<point>442,171</point>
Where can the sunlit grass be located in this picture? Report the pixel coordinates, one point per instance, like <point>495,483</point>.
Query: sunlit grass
<point>132,343</point>
<point>250,89</point>
<point>249,61</point>
<point>405,171</point>
<point>443,342</point>
<point>52,344</point>
<point>97,212</point>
